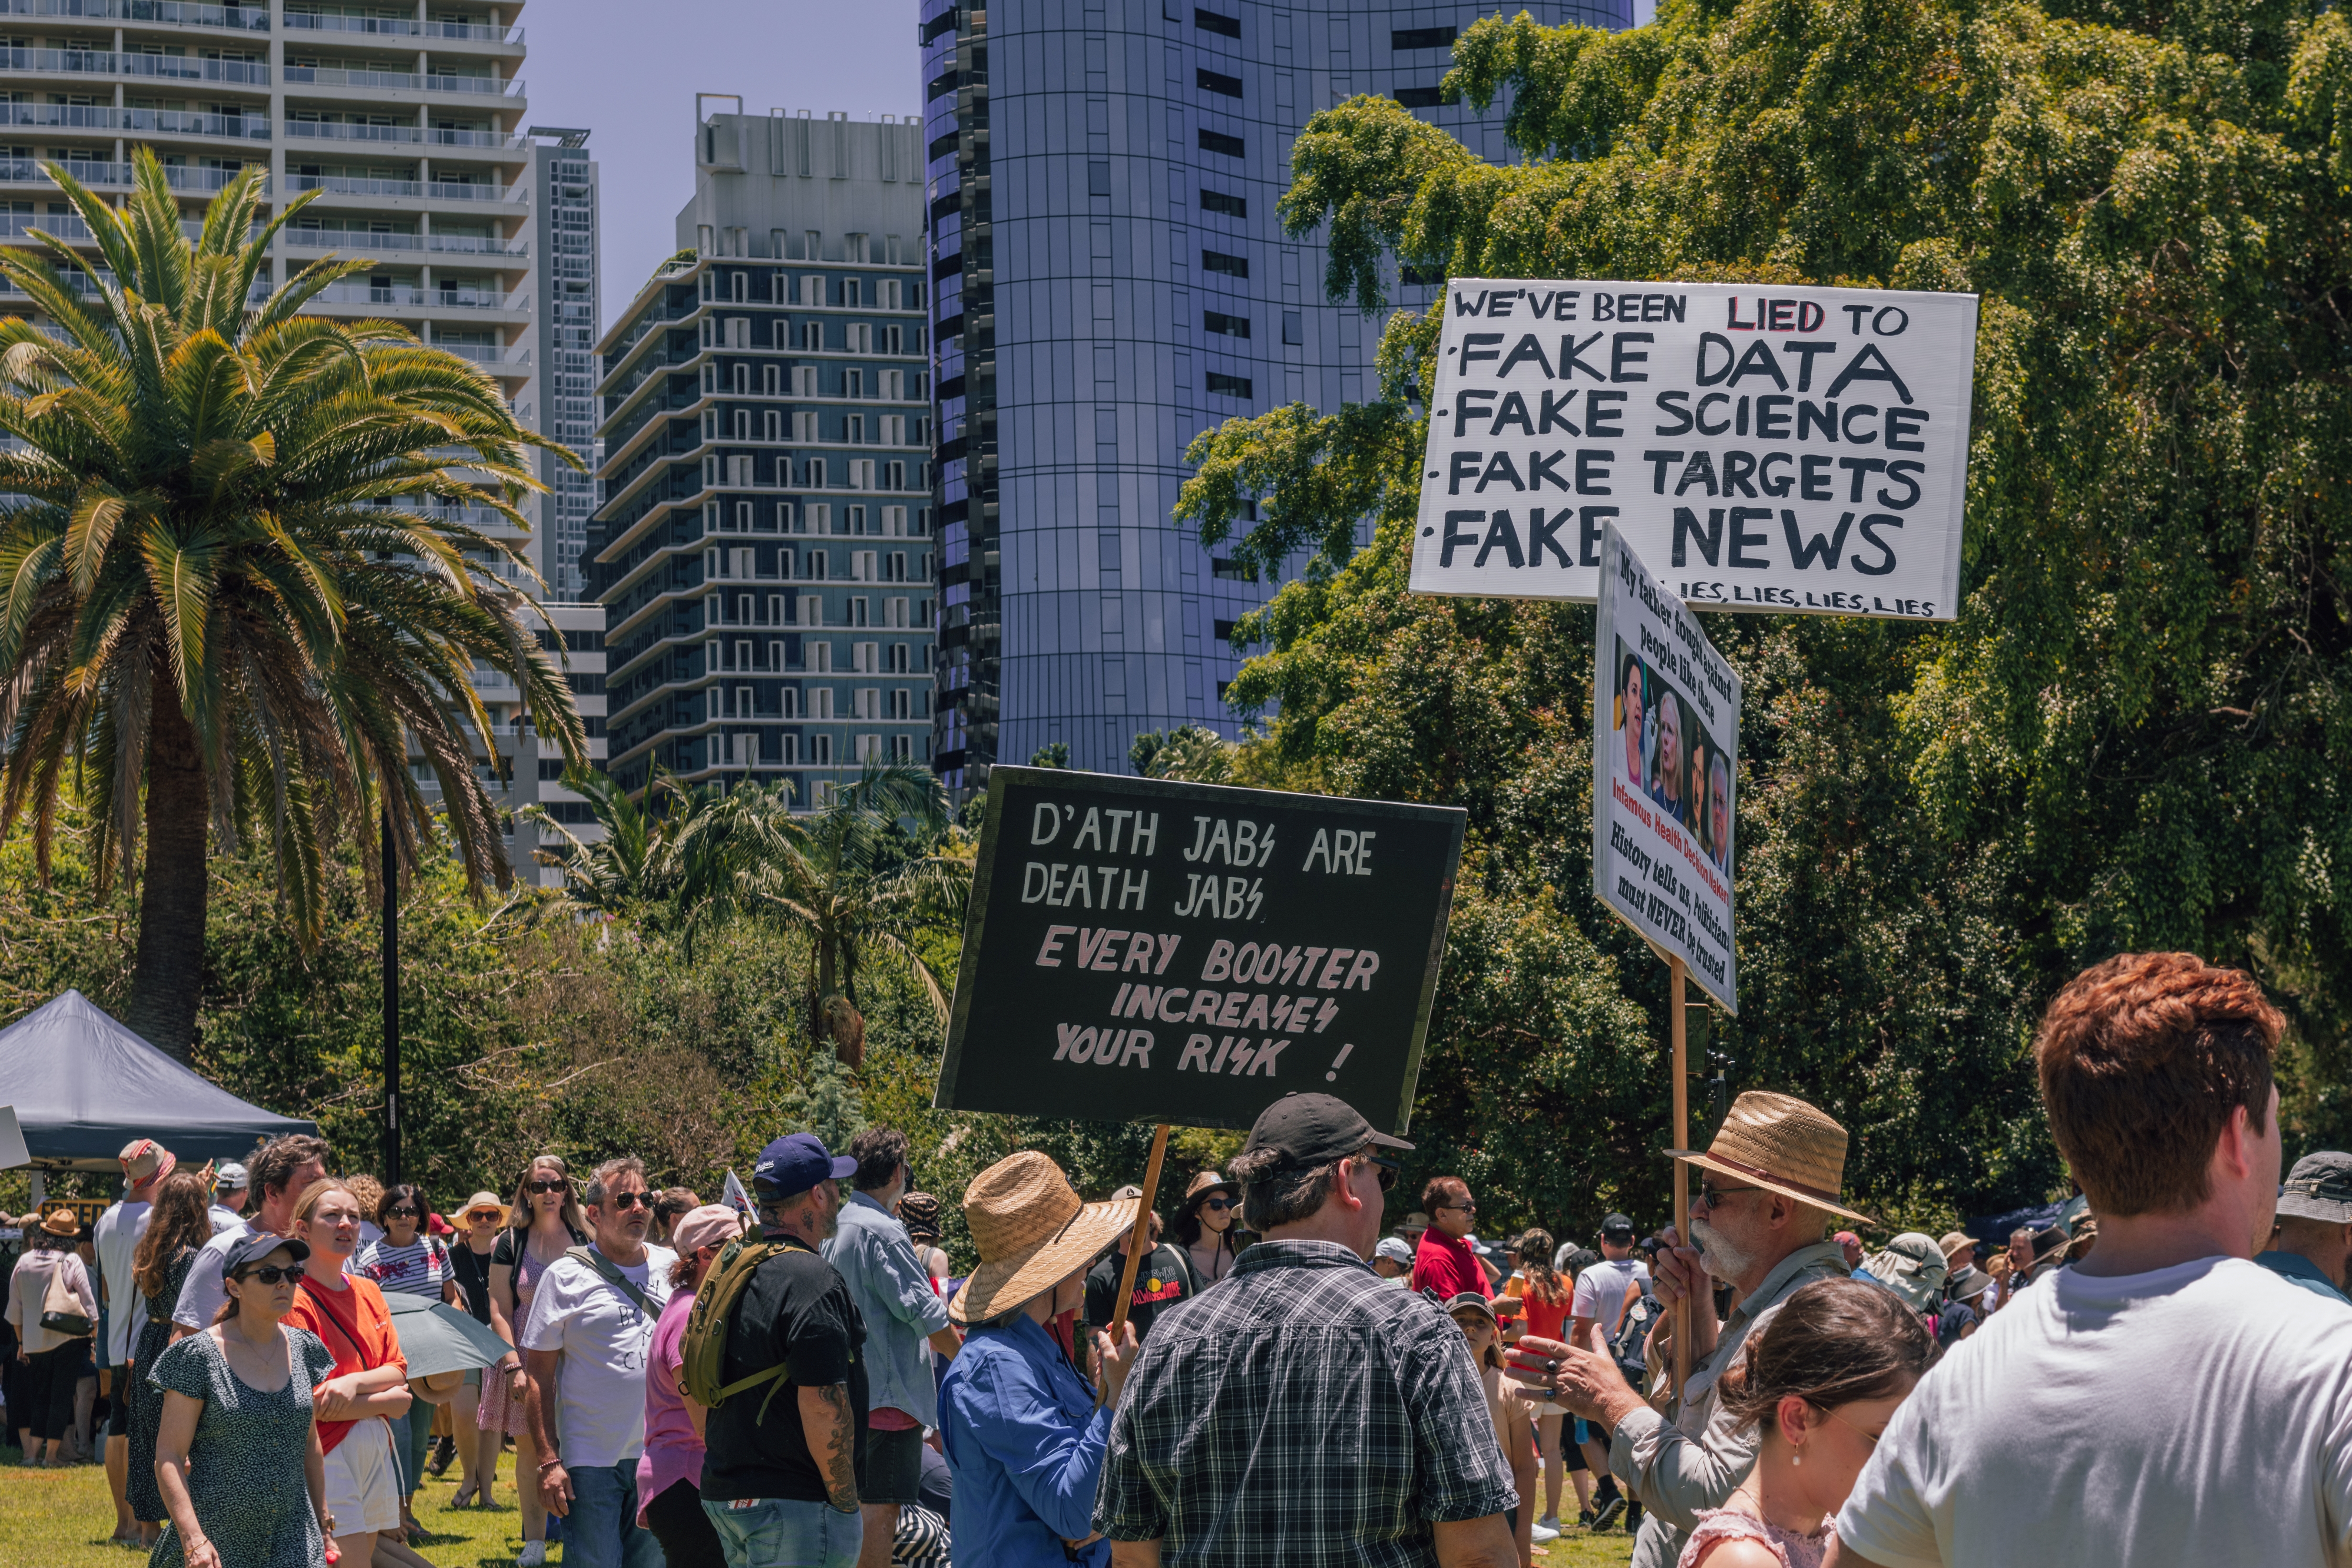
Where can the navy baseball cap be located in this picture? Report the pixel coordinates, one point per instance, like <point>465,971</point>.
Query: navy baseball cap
<point>258,1245</point>
<point>794,1164</point>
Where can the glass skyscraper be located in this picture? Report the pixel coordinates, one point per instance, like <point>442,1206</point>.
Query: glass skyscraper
<point>1111,279</point>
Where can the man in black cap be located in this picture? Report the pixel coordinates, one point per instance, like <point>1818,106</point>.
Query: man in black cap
<point>2311,1239</point>
<point>1305,1413</point>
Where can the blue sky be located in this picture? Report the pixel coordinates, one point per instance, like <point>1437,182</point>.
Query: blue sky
<point>629,72</point>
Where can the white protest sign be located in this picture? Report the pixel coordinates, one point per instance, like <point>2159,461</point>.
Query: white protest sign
<point>1773,448</point>
<point>1665,771</point>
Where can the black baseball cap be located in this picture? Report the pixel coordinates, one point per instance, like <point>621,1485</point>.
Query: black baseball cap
<point>256,1247</point>
<point>1616,1228</point>
<point>1310,1129</point>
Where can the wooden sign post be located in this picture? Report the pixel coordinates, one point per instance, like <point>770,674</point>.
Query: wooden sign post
<point>1138,1238</point>
<point>1682,1177</point>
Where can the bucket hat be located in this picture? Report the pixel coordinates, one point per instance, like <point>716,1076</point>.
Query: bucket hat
<point>1912,1266</point>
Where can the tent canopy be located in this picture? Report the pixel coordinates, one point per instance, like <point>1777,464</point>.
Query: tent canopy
<point>83,1086</point>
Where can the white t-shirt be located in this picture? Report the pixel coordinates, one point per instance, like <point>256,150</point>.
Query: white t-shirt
<point>604,1337</point>
<point>204,1294</point>
<point>115,1238</point>
<point>1601,1289</point>
<point>2196,1413</point>
<point>226,1219</point>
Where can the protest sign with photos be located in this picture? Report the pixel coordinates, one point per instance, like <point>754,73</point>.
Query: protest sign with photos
<point>1665,771</point>
<point>1777,448</point>
<point>1146,950</point>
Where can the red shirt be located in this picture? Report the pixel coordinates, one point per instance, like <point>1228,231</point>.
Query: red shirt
<point>1445,1264</point>
<point>356,1328</point>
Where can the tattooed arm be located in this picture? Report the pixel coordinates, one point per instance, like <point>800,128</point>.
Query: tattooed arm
<point>831,1428</point>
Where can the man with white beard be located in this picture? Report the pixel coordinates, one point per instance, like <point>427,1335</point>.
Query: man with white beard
<point>1771,1181</point>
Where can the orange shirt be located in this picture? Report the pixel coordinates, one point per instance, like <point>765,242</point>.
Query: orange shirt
<point>356,1328</point>
<point>1544,1321</point>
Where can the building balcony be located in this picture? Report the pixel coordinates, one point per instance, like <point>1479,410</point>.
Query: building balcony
<point>153,121</point>
<point>166,13</point>
<point>418,244</point>
<point>408,297</point>
<point>403,27</point>
<point>429,190</point>
<point>408,81</point>
<point>189,67</point>
<point>338,131</point>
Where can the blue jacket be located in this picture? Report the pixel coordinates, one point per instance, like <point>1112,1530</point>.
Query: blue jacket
<point>1026,1444</point>
<point>875,1259</point>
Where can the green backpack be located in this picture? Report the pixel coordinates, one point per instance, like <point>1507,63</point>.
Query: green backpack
<point>705,1364</point>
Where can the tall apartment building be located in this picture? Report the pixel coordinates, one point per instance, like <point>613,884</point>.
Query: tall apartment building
<point>763,545</point>
<point>1113,279</point>
<point>564,185</point>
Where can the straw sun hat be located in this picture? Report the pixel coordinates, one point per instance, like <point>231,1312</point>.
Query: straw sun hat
<point>1033,1231</point>
<point>1779,1142</point>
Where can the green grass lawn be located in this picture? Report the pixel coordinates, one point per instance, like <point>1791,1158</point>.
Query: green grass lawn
<point>60,1519</point>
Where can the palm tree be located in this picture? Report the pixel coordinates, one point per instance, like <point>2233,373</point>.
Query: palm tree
<point>657,854</point>
<point>848,877</point>
<point>228,602</point>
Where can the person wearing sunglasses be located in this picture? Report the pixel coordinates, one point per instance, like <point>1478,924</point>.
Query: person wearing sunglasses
<point>1443,1261</point>
<point>1204,1228</point>
<point>585,1344</point>
<point>544,1223</point>
<point>1306,1410</point>
<point>237,1454</point>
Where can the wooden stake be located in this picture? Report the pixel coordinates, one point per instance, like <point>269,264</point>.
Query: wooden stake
<point>1139,1237</point>
<point>1682,1178</point>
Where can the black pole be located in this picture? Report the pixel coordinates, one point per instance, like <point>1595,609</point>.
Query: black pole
<point>391,1004</point>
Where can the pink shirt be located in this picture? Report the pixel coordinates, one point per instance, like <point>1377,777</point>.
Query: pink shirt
<point>673,1453</point>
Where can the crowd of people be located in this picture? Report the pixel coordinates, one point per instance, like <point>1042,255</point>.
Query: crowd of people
<point>1277,1376</point>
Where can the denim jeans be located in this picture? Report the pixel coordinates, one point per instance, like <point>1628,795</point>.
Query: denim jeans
<point>603,1530</point>
<point>780,1533</point>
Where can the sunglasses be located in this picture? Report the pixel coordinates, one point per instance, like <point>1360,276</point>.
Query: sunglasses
<point>400,1214</point>
<point>1389,1170</point>
<point>1712,1196</point>
<point>630,1200</point>
<point>547,1184</point>
<point>1460,1208</point>
<point>1216,1203</point>
<point>274,1276</point>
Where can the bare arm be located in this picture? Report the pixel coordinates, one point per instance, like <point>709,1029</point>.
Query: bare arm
<point>539,1383</point>
<point>1135,1554</point>
<point>831,1429</point>
<point>947,1344</point>
<point>1477,1543</point>
<point>172,1436</point>
<point>314,1475</point>
<point>356,1395</point>
<point>698,1415</point>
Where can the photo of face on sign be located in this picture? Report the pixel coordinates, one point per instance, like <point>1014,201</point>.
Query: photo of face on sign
<point>1664,751</point>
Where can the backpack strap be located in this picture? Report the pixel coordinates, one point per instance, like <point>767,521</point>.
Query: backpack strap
<point>614,1277</point>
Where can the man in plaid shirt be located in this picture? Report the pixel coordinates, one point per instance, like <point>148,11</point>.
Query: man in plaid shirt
<point>1304,1412</point>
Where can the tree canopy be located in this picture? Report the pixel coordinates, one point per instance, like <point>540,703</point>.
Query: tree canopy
<point>2134,734</point>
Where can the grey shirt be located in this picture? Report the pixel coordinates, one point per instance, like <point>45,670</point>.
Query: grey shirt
<point>1697,1459</point>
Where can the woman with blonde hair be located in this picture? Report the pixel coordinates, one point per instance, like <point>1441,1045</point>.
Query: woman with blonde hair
<point>348,1315</point>
<point>544,1222</point>
<point>177,1226</point>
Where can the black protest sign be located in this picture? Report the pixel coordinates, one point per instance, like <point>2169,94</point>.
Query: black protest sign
<point>1142,950</point>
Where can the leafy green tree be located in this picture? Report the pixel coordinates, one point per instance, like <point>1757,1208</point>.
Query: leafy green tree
<point>2130,738</point>
<point>230,601</point>
<point>1054,754</point>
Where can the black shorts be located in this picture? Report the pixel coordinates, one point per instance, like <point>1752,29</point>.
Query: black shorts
<point>894,1467</point>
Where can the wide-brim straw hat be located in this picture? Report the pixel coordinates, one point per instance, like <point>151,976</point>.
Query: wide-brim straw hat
<point>1033,1230</point>
<point>1779,1142</point>
<point>483,1201</point>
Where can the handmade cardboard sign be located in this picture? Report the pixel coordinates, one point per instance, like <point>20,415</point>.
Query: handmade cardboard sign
<point>1763,447</point>
<point>1665,771</point>
<point>1141,950</point>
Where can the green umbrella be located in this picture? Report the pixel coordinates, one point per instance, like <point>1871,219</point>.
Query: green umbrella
<point>437,1338</point>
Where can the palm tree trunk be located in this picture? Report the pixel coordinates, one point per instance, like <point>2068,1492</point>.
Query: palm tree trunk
<point>169,979</point>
